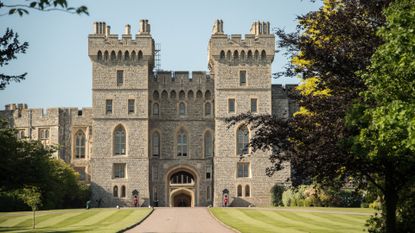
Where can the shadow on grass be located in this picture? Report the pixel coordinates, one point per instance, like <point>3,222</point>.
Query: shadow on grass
<point>46,230</point>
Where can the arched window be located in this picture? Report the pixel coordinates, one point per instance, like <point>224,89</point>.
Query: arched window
<point>229,55</point>
<point>208,95</point>
<point>182,178</point>
<point>249,55</point>
<point>156,95</point>
<point>119,56</point>
<point>115,191</point>
<point>119,140</point>
<point>190,95</point>
<point>208,144</point>
<point>99,56</point>
<point>113,56</point>
<point>256,55</point>
<point>182,109</point>
<point>199,94</point>
<point>208,109</point>
<point>242,140</point>
<point>242,55</point>
<point>106,55</point>
<point>133,56</point>
<point>247,191</point>
<point>235,55</point>
<point>80,145</point>
<point>173,94</point>
<point>126,56</point>
<point>222,55</point>
<point>263,55</point>
<point>164,95</point>
<point>140,55</point>
<point>181,143</point>
<point>182,95</point>
<point>156,144</point>
<point>239,191</point>
<point>123,191</point>
<point>156,109</point>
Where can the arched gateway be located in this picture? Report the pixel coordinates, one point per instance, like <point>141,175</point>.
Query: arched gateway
<point>182,187</point>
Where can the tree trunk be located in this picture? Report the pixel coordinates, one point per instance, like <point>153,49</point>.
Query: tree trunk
<point>34,219</point>
<point>391,199</point>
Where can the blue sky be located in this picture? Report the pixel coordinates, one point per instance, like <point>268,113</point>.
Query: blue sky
<point>59,70</point>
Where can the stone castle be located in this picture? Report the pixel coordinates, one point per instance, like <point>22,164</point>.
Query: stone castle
<point>160,136</point>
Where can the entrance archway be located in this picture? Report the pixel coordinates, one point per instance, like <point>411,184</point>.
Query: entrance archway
<point>181,184</point>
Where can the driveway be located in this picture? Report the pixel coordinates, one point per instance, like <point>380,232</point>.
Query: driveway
<point>165,219</point>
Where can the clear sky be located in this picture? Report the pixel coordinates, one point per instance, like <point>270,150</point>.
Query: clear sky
<point>59,70</point>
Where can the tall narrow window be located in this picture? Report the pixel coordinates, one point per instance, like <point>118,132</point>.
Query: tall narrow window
<point>247,191</point>
<point>120,77</point>
<point>208,193</point>
<point>242,169</point>
<point>115,191</point>
<point>108,106</point>
<point>182,109</point>
<point>119,141</point>
<point>43,134</point>
<point>119,170</point>
<point>242,140</point>
<point>154,173</point>
<point>131,105</point>
<point>231,105</point>
<point>253,105</point>
<point>242,77</point>
<point>208,109</point>
<point>156,110</point>
<point>239,191</point>
<point>80,145</point>
<point>182,143</point>
<point>208,144</point>
<point>208,172</point>
<point>123,191</point>
<point>156,144</point>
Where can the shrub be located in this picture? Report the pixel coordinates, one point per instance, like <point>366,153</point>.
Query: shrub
<point>276,194</point>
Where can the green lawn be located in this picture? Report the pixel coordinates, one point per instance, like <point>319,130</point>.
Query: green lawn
<point>74,220</point>
<point>294,220</point>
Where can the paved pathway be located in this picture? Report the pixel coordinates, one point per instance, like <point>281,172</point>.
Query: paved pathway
<point>181,220</point>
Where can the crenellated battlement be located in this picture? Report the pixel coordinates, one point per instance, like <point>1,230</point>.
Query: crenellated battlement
<point>104,47</point>
<point>258,47</point>
<point>175,82</point>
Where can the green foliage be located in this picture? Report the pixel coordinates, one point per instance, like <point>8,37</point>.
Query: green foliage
<point>31,197</point>
<point>276,194</point>
<point>23,7</point>
<point>315,195</point>
<point>29,163</point>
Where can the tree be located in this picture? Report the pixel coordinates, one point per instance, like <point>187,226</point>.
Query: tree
<point>10,45</point>
<point>385,122</point>
<point>31,196</point>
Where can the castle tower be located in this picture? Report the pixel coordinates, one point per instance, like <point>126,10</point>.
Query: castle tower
<point>120,70</point>
<point>241,68</point>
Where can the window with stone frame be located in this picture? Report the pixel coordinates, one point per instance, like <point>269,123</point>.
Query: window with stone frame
<point>123,191</point>
<point>43,134</point>
<point>247,191</point>
<point>254,107</point>
<point>242,140</point>
<point>115,191</point>
<point>156,144</point>
<point>118,170</point>
<point>108,106</point>
<point>208,172</point>
<point>182,109</point>
<point>119,141</point>
<point>120,77</point>
<point>242,78</point>
<point>154,173</point>
<point>20,133</point>
<point>208,144</point>
<point>242,169</point>
<point>239,191</point>
<point>208,109</point>
<point>231,105</point>
<point>156,109</point>
<point>80,144</point>
<point>131,106</point>
<point>182,143</point>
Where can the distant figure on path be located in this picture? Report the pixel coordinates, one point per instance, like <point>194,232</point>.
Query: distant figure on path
<point>135,201</point>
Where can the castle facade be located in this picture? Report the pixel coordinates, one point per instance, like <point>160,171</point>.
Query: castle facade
<point>160,137</point>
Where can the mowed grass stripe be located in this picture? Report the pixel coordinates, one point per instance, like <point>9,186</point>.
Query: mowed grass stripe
<point>81,216</point>
<point>97,217</point>
<point>292,221</point>
<point>14,221</point>
<point>263,217</point>
<point>56,219</point>
<point>115,217</point>
<point>326,219</point>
